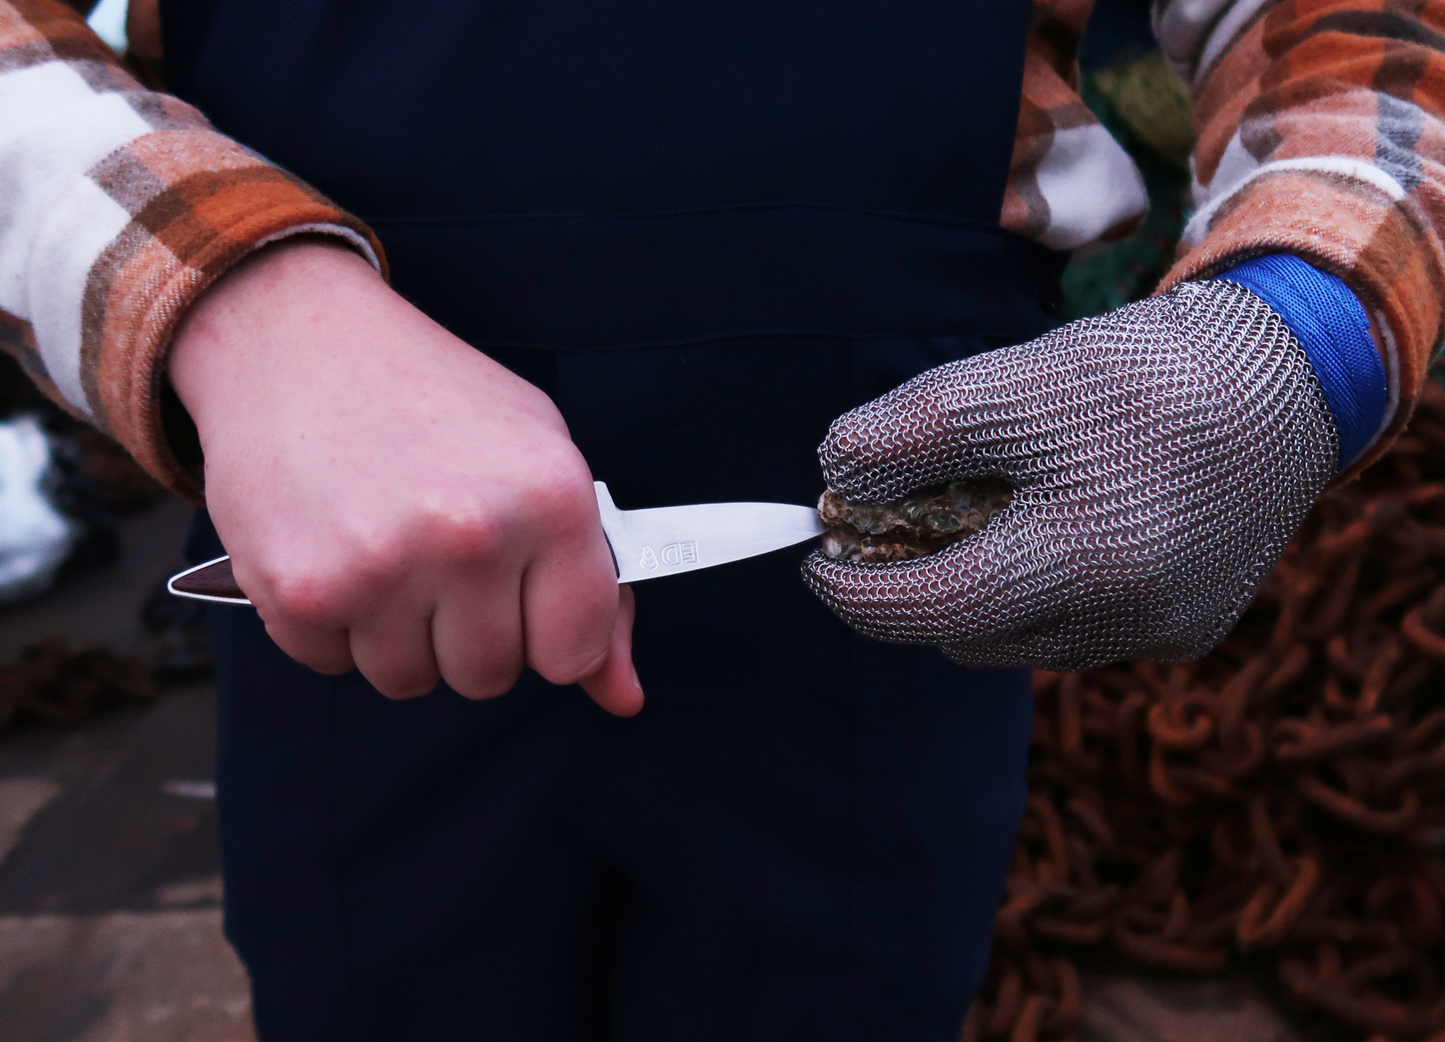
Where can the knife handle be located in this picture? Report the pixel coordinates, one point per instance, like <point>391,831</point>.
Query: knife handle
<point>214,581</point>
<point>211,581</point>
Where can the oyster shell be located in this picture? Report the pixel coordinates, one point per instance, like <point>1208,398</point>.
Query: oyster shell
<point>914,526</point>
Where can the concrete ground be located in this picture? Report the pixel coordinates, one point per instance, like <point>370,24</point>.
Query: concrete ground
<point>110,886</point>
<point>110,923</point>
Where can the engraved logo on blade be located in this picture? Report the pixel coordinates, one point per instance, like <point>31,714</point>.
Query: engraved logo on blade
<point>674,554</point>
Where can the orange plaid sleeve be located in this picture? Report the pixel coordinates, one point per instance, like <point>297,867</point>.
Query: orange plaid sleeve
<point>1321,134</point>
<point>118,206</point>
<point>1069,183</point>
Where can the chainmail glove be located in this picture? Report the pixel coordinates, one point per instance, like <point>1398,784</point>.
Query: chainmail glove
<point>1162,457</point>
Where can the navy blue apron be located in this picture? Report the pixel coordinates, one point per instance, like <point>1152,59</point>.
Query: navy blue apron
<point>706,230</point>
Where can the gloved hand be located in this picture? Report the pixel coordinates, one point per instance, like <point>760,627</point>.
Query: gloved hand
<point>1162,457</point>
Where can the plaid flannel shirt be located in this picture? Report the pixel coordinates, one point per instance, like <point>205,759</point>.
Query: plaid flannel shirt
<point>1320,134</point>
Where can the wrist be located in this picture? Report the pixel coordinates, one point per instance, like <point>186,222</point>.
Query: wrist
<point>1337,336</point>
<point>241,321</point>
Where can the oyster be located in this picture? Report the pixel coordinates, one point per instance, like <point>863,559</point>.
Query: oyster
<point>914,526</point>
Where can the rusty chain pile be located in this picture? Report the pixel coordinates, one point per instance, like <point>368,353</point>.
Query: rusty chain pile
<point>1284,795</point>
<point>58,685</point>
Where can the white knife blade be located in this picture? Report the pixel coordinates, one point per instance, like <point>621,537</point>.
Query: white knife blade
<point>671,540</point>
<point>646,544</point>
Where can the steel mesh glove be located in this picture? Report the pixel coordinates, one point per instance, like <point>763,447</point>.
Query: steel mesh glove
<point>1162,457</point>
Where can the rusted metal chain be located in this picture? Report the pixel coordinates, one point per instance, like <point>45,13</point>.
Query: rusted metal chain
<point>1285,794</point>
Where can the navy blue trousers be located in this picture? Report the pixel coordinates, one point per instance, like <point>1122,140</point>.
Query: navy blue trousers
<point>803,835</point>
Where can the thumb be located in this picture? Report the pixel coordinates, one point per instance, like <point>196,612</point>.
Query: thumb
<point>614,686</point>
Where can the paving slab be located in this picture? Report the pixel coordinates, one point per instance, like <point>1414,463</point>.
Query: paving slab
<point>118,809</point>
<point>110,887</point>
<point>166,976</point>
<point>1126,1008</point>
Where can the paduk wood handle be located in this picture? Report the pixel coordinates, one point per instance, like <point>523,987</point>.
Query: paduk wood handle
<point>214,580</point>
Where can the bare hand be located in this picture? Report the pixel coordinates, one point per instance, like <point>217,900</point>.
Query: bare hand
<point>394,501</point>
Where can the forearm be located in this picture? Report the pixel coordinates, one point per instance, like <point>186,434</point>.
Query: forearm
<point>119,206</point>
<point>1320,135</point>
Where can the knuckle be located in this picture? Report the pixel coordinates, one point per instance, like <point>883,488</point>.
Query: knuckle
<point>571,635</point>
<point>326,588</point>
<point>537,400</point>
<point>328,658</point>
<point>402,680</point>
<point>311,599</point>
<point>550,499</point>
<point>484,685</point>
<point>573,665</point>
<point>464,532</point>
<point>562,496</point>
<point>485,670</point>
<point>400,690</point>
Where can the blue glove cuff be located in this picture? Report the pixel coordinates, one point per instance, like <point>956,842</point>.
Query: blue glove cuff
<point>1332,327</point>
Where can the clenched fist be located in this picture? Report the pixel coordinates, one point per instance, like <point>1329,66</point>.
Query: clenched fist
<point>392,500</point>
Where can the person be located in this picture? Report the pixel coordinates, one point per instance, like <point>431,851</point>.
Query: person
<point>675,246</point>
